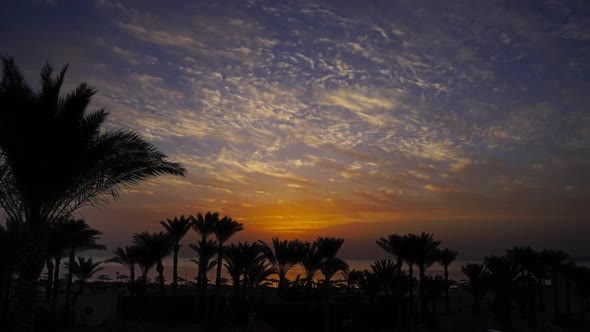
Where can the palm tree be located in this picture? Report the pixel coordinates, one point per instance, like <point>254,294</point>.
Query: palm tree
<point>425,253</point>
<point>233,265</point>
<point>56,248</point>
<point>204,226</point>
<point>176,229</point>
<point>445,258</point>
<point>225,228</point>
<point>80,237</point>
<point>328,248</point>
<point>54,159</point>
<point>502,283</point>
<point>311,261</point>
<point>477,276</point>
<point>554,259</point>
<point>152,248</point>
<point>9,247</point>
<point>283,256</point>
<point>128,258</point>
<point>434,287</point>
<point>386,272</point>
<point>395,245</point>
<point>526,261</point>
<point>205,254</point>
<point>84,269</point>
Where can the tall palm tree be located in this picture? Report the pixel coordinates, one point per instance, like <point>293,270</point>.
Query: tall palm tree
<point>206,254</point>
<point>57,245</point>
<point>204,226</point>
<point>434,287</point>
<point>80,237</point>
<point>283,256</point>
<point>328,248</point>
<point>225,228</point>
<point>233,265</point>
<point>446,257</point>
<point>83,270</point>
<point>477,276</point>
<point>152,249</point>
<point>54,159</point>
<point>176,229</point>
<point>425,253</point>
<point>502,283</point>
<point>554,259</point>
<point>9,247</point>
<point>311,262</point>
<point>128,258</point>
<point>526,261</point>
<point>395,245</point>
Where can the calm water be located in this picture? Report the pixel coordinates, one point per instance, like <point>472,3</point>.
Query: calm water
<point>188,269</point>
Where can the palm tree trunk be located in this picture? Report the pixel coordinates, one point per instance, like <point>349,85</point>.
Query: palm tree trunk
<point>447,301</point>
<point>326,305</point>
<point>568,304</point>
<point>50,266</point>
<point>541,295</point>
<point>69,285</point>
<point>412,308</point>
<point>160,269</point>
<point>555,296</point>
<point>218,279</point>
<point>423,301</point>
<point>55,284</point>
<point>175,268</point>
<point>398,296</point>
<point>30,267</point>
<point>132,281</point>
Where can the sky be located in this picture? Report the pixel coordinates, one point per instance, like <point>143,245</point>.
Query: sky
<point>357,119</point>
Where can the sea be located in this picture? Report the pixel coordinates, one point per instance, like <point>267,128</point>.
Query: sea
<point>187,270</point>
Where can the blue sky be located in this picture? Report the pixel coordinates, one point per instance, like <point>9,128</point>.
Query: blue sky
<point>347,118</point>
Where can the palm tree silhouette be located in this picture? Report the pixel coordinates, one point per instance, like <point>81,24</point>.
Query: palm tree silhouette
<point>234,266</point>
<point>152,248</point>
<point>83,270</point>
<point>425,253</point>
<point>434,287</point>
<point>328,248</point>
<point>57,244</point>
<point>478,280</point>
<point>80,237</point>
<point>176,229</point>
<point>55,159</point>
<point>128,257</point>
<point>395,245</point>
<point>283,256</point>
<point>555,259</point>
<point>502,283</point>
<point>205,254</point>
<point>203,225</point>
<point>445,258</point>
<point>311,261</point>
<point>386,272</point>
<point>526,261</point>
<point>225,228</point>
<point>9,247</point>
